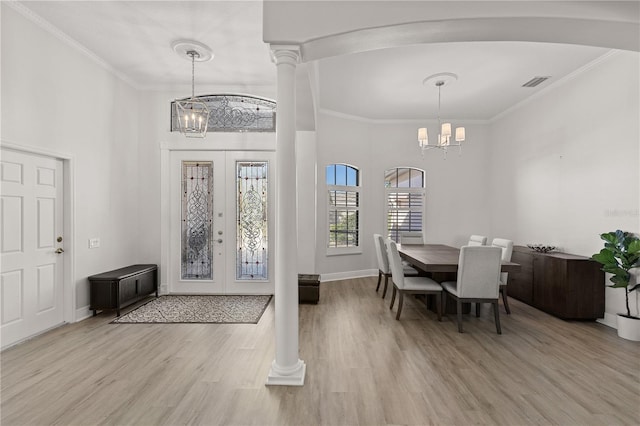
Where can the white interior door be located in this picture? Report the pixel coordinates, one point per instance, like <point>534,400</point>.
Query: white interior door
<point>221,215</point>
<point>31,285</point>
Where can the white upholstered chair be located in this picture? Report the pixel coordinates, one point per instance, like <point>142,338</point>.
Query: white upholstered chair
<point>410,285</point>
<point>477,240</point>
<point>478,280</point>
<point>411,237</point>
<point>383,264</point>
<point>507,249</point>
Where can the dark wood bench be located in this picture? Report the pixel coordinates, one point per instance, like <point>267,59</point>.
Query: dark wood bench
<point>122,287</point>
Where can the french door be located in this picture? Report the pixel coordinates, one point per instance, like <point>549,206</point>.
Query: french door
<point>221,222</point>
<point>31,219</point>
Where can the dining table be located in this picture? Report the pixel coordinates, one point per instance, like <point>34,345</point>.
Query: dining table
<point>439,258</point>
<point>440,262</point>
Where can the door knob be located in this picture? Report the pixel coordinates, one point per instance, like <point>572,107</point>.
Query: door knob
<point>59,250</point>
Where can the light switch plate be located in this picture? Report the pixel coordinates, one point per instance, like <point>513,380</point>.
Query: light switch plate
<point>94,243</point>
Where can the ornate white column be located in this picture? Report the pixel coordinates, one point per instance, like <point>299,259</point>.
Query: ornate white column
<point>286,368</point>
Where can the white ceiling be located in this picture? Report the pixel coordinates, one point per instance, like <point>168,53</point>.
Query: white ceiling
<point>134,39</point>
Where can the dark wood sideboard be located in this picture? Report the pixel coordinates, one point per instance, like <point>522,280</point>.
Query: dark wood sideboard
<point>562,284</point>
<point>122,287</point>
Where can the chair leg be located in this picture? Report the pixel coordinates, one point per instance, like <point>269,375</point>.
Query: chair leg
<point>477,309</point>
<point>439,305</point>
<point>444,303</point>
<point>459,314</point>
<point>496,313</point>
<point>393,297</point>
<point>503,290</point>
<point>400,300</point>
<point>379,280</point>
<point>386,283</point>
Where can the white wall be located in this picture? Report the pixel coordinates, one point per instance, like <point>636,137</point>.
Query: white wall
<point>82,110</point>
<point>565,166</point>
<point>457,196</point>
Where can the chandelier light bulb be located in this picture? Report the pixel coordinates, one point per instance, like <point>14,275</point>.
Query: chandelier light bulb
<point>446,129</point>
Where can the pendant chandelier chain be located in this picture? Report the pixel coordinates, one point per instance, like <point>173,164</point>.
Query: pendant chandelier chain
<point>439,84</point>
<point>193,55</point>
<point>193,76</point>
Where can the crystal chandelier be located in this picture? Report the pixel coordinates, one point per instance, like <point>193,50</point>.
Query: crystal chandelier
<point>443,141</point>
<point>193,114</point>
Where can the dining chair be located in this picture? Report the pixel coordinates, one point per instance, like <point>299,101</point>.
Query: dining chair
<point>507,249</point>
<point>477,240</point>
<point>410,284</point>
<point>411,237</point>
<point>478,280</point>
<point>383,264</point>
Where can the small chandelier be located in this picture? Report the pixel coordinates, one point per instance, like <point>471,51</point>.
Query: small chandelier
<point>443,141</point>
<point>193,115</point>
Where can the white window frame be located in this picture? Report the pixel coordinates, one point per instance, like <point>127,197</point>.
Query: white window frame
<point>337,251</point>
<point>421,191</point>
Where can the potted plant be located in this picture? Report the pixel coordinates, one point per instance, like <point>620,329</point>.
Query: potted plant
<point>620,254</point>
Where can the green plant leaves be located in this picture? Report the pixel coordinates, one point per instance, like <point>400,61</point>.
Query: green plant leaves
<point>621,253</point>
<point>606,257</point>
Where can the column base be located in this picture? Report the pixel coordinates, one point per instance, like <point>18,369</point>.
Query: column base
<point>287,377</point>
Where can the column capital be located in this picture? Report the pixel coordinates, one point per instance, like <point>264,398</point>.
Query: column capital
<point>285,53</point>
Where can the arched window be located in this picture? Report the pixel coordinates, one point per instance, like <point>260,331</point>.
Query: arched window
<point>404,187</point>
<point>343,186</point>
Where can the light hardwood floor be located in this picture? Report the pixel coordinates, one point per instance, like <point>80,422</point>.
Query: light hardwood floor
<point>363,368</point>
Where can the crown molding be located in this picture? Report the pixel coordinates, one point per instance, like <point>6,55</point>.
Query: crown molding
<point>391,121</point>
<point>65,38</point>
<point>556,84</point>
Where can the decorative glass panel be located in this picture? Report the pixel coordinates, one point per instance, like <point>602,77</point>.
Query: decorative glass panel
<point>235,113</point>
<point>252,259</point>
<point>197,220</point>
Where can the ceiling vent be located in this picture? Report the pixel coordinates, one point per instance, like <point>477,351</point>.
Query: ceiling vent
<point>536,81</point>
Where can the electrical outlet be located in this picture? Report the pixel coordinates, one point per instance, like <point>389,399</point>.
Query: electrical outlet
<point>94,243</point>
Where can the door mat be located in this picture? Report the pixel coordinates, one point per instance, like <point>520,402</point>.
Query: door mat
<point>198,309</point>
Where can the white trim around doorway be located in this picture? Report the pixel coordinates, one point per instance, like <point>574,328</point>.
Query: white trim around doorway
<point>242,141</point>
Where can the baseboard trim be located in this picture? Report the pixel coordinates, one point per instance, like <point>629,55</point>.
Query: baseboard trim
<point>83,313</point>
<point>348,275</point>
<point>609,320</point>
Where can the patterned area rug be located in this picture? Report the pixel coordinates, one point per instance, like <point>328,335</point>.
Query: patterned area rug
<point>198,309</point>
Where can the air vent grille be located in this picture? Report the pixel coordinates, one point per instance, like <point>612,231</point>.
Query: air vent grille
<point>536,81</point>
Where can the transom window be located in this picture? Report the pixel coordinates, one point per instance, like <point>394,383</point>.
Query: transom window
<point>235,113</point>
<point>404,188</point>
<point>343,187</point>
